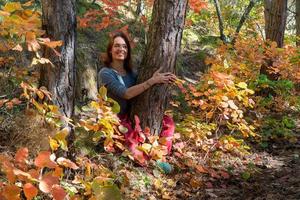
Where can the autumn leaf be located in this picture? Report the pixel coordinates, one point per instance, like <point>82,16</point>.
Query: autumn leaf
<point>43,160</point>
<point>197,5</point>
<point>30,191</point>
<point>11,192</point>
<point>21,155</point>
<point>32,43</point>
<point>16,101</point>
<point>18,48</point>
<point>51,44</point>
<point>53,144</point>
<point>47,182</point>
<point>58,172</point>
<point>61,138</point>
<point>67,163</point>
<point>12,6</point>
<point>58,192</point>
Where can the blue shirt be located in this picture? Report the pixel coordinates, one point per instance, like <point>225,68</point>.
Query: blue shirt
<point>116,88</point>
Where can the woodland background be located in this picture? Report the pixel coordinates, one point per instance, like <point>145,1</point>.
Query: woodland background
<point>236,102</point>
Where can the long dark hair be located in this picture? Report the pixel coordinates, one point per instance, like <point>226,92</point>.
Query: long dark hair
<point>127,61</point>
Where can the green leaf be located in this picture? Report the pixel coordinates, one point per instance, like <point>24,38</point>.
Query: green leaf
<point>246,175</point>
<point>115,107</point>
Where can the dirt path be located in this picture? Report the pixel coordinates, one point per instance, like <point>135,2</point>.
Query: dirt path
<point>279,179</point>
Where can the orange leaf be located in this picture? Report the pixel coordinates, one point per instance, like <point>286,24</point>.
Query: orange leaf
<point>54,44</point>
<point>58,192</point>
<point>34,173</point>
<point>201,169</point>
<point>44,160</point>
<point>47,182</point>
<point>21,155</point>
<point>32,43</point>
<point>30,191</point>
<point>9,105</point>
<point>67,163</point>
<point>11,192</point>
<point>58,172</point>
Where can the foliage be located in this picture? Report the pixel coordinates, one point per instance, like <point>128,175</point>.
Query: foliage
<point>229,106</point>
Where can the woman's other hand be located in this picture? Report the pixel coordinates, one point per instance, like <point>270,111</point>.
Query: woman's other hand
<point>166,77</point>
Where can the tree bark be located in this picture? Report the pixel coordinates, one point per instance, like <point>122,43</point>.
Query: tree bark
<point>275,23</point>
<point>164,41</point>
<point>59,21</point>
<point>275,20</point>
<point>298,21</point>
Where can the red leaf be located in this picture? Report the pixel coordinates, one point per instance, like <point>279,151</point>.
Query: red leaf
<point>43,160</point>
<point>58,192</point>
<point>47,182</point>
<point>30,191</point>
<point>197,5</point>
<point>224,174</point>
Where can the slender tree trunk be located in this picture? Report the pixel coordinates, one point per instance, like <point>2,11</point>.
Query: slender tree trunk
<point>220,19</point>
<point>162,48</point>
<point>59,21</point>
<point>298,21</point>
<point>275,20</point>
<point>139,6</point>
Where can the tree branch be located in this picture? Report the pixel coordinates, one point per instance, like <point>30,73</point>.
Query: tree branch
<point>243,18</point>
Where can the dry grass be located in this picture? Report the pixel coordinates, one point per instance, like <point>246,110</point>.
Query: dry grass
<point>27,129</point>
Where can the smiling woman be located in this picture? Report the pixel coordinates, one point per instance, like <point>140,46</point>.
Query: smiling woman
<point>120,79</point>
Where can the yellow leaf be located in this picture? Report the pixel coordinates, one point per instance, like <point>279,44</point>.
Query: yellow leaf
<point>242,85</point>
<point>61,138</point>
<point>53,144</point>
<point>146,147</point>
<point>13,6</point>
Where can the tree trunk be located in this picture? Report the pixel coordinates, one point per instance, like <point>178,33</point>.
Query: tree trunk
<point>220,19</point>
<point>275,23</point>
<point>59,21</point>
<point>275,20</point>
<point>298,21</point>
<point>164,44</point>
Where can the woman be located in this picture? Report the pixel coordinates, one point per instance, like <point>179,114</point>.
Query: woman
<point>120,79</point>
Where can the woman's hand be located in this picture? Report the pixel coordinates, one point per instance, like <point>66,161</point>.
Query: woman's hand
<point>158,77</point>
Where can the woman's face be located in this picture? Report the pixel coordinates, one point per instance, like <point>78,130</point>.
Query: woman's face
<point>119,49</point>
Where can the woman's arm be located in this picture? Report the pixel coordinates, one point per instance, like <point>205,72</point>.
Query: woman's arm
<point>155,79</point>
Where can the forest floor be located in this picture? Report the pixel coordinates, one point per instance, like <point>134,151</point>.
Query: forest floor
<point>271,174</point>
<point>279,178</point>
